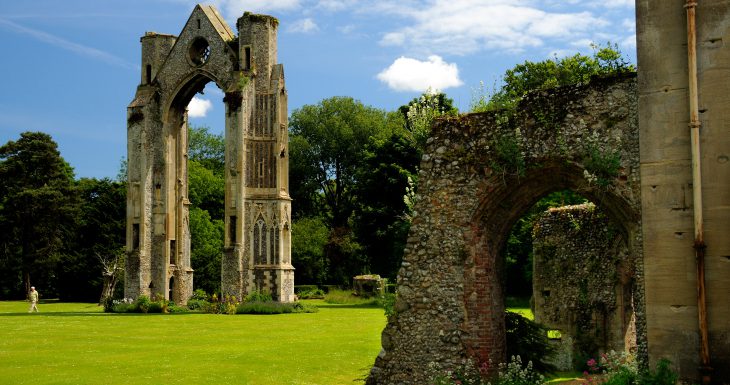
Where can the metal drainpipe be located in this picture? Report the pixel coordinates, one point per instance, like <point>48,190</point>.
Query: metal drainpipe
<point>699,244</point>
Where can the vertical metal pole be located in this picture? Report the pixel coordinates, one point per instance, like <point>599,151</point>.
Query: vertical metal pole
<point>699,244</point>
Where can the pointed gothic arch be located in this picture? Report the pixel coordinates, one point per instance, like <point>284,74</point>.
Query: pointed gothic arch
<point>175,68</point>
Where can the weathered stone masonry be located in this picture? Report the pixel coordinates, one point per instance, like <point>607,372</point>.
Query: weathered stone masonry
<point>257,205</point>
<point>472,188</point>
<point>583,280</point>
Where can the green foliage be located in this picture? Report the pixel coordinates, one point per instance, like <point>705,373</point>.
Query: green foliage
<point>331,137</point>
<point>206,249</point>
<point>311,294</point>
<point>206,148</point>
<point>518,251</point>
<point>271,307</point>
<point>38,214</point>
<point>551,73</point>
<point>508,155</point>
<point>388,302</point>
<point>528,339</point>
<point>258,296</point>
<point>142,304</point>
<point>381,216</point>
<point>206,190</point>
<point>101,232</point>
<point>327,143</point>
<point>601,167</point>
<point>420,113</point>
<point>308,240</point>
<point>512,373</point>
<point>198,304</point>
<point>199,294</point>
<point>346,297</point>
<point>621,368</point>
<point>663,375</point>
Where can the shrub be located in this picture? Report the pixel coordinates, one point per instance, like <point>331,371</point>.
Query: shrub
<point>512,373</point>
<point>271,307</point>
<point>663,375</point>
<point>620,368</point>
<point>346,297</point>
<point>199,295</point>
<point>155,307</point>
<point>528,339</point>
<point>123,307</point>
<point>258,296</point>
<point>197,304</point>
<point>142,304</point>
<point>388,303</point>
<point>108,305</point>
<point>298,289</point>
<point>311,294</point>
<point>172,308</point>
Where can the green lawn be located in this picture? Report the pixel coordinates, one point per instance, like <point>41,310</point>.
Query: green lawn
<point>76,343</point>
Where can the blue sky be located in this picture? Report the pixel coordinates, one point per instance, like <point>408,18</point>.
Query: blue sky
<point>71,67</point>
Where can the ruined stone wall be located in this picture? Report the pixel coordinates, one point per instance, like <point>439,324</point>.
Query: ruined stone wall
<point>479,174</point>
<point>582,280</point>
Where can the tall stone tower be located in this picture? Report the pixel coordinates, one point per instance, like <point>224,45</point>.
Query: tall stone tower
<point>684,119</point>
<point>256,253</point>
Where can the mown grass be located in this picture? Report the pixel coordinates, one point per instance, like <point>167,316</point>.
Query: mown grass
<point>72,343</point>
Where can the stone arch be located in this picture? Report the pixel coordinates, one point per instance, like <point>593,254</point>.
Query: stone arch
<point>497,212</point>
<point>479,174</point>
<point>174,69</point>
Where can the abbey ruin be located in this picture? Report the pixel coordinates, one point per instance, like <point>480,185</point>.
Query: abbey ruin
<point>257,253</point>
<point>667,192</point>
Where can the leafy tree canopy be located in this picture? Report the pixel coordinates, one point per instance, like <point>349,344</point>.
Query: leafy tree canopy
<point>550,73</point>
<point>38,210</point>
<point>327,142</point>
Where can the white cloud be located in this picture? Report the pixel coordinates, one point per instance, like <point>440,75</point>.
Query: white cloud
<point>198,108</point>
<point>347,29</point>
<point>466,26</point>
<point>629,42</point>
<point>407,74</point>
<point>304,26</point>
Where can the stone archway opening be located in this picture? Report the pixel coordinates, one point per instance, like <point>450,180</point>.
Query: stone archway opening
<point>567,266</point>
<point>491,227</point>
<point>200,106</point>
<point>480,173</point>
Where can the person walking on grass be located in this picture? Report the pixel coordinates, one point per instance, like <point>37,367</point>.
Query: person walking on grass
<point>33,300</point>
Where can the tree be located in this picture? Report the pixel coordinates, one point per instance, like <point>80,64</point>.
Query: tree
<point>326,146</point>
<point>330,137</point>
<point>37,211</point>
<point>550,73</point>
<point>206,148</point>
<point>206,190</point>
<point>389,169</point>
<point>206,249</point>
<point>101,232</point>
<point>309,237</point>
